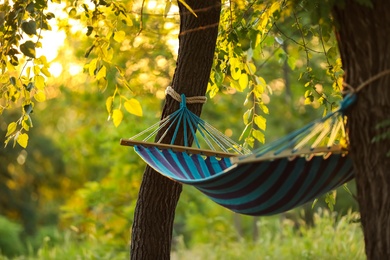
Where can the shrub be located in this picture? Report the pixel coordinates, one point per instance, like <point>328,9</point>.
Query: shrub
<point>10,243</point>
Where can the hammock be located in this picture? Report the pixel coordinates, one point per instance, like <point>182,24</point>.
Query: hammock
<point>277,177</point>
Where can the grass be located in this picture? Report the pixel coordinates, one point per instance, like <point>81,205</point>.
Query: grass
<point>331,238</point>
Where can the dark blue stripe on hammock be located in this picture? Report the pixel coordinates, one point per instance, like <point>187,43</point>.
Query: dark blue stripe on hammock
<point>258,206</point>
<point>294,200</point>
<point>259,188</point>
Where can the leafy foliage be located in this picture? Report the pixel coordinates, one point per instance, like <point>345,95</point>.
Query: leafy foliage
<point>22,80</point>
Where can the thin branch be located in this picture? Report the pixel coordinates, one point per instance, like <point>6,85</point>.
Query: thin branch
<point>303,39</point>
<point>141,23</point>
<point>323,45</point>
<point>291,39</point>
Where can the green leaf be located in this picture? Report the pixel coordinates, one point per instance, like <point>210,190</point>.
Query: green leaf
<point>89,30</point>
<point>258,135</point>
<point>50,15</point>
<point>330,199</point>
<point>13,81</point>
<point>133,106</point>
<point>22,140</point>
<point>117,117</point>
<point>29,27</point>
<point>28,109</point>
<point>11,128</point>
<point>260,122</point>
<point>332,53</point>
<point>28,49</point>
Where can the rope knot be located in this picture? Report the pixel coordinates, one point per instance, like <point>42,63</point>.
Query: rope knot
<point>183,99</point>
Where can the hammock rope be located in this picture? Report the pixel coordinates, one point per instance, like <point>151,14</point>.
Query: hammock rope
<point>277,177</point>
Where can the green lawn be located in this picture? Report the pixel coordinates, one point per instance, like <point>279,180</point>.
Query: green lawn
<point>331,238</point>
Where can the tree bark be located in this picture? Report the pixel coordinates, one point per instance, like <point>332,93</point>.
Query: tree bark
<point>363,37</point>
<point>158,196</point>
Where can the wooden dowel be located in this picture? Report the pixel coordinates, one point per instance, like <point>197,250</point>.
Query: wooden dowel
<point>288,153</point>
<point>178,148</point>
<point>236,158</point>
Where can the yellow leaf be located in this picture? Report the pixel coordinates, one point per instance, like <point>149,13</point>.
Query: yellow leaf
<point>40,96</point>
<point>234,84</point>
<point>92,67</point>
<point>102,73</point>
<point>133,107</point>
<point>45,71</point>
<point>117,117</point>
<point>258,135</point>
<point>260,122</point>
<point>11,128</point>
<point>264,108</point>
<point>36,70</point>
<point>23,140</point>
<point>119,36</point>
<point>243,82</point>
<point>10,67</point>
<point>250,68</point>
<point>109,102</point>
<point>275,6</point>
<point>188,7</point>
<point>235,68</point>
<point>108,54</point>
<point>39,82</point>
<point>246,115</point>
<point>25,125</point>
<point>167,8</point>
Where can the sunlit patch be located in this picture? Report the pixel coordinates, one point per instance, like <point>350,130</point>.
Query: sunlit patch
<point>55,69</point>
<point>51,43</point>
<point>319,88</point>
<point>75,69</point>
<point>169,25</point>
<point>229,132</point>
<point>152,4</point>
<point>161,61</point>
<point>277,86</point>
<point>22,157</point>
<point>173,45</point>
<point>160,94</point>
<point>265,98</point>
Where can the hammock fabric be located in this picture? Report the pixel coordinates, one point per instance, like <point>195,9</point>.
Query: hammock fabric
<point>273,179</point>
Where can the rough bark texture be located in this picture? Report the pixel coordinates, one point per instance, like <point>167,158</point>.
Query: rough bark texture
<point>364,36</point>
<point>158,196</point>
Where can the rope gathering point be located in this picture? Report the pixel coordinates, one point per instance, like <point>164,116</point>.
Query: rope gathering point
<point>189,100</point>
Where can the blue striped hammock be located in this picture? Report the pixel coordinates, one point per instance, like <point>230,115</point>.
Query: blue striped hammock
<point>277,177</point>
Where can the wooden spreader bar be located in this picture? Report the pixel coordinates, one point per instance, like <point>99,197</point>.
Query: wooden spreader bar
<point>250,158</point>
<point>178,148</point>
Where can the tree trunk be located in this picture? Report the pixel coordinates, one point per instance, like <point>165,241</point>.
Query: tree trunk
<point>158,196</point>
<point>363,36</point>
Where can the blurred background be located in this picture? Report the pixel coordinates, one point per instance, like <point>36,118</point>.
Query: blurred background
<point>73,189</point>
